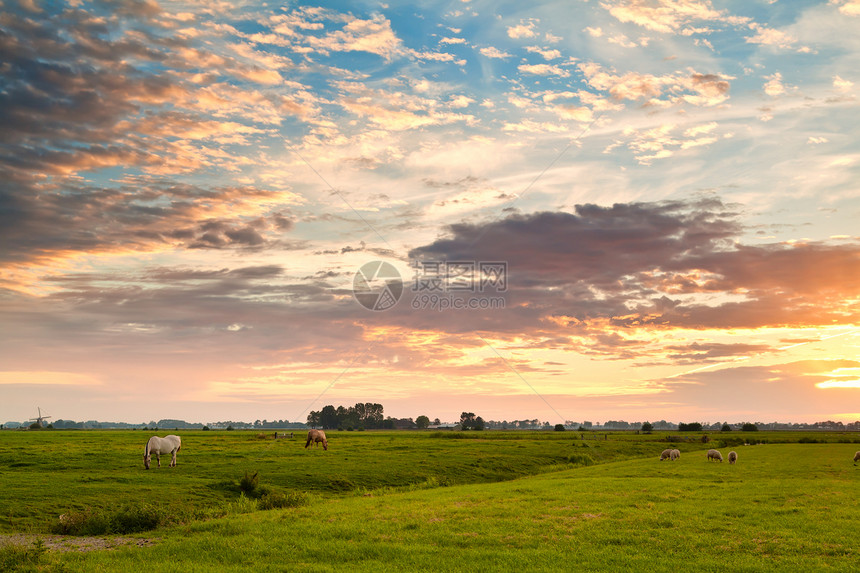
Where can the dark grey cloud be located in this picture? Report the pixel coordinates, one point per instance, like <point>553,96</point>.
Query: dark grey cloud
<point>644,263</point>
<point>79,91</point>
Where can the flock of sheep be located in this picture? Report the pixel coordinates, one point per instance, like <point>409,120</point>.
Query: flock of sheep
<point>714,455</point>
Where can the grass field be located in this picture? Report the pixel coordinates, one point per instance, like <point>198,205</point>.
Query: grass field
<point>378,501</point>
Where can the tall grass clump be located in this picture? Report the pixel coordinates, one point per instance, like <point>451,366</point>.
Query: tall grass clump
<point>249,483</point>
<point>125,519</point>
<point>278,500</point>
<point>580,459</point>
<point>17,558</point>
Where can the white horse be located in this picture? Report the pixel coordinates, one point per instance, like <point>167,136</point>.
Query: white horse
<point>166,445</point>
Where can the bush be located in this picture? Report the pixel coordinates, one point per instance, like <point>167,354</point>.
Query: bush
<point>559,427</point>
<point>248,484</point>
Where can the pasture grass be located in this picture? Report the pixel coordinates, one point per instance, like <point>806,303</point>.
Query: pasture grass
<point>781,508</point>
<point>373,506</point>
<point>47,474</point>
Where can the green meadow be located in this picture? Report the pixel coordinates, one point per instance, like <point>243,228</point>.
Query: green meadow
<point>430,501</point>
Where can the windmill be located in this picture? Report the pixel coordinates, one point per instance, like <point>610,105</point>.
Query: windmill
<point>40,418</point>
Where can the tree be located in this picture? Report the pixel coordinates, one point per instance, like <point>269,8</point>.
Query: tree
<point>559,427</point>
<point>467,420</point>
<point>749,427</point>
<point>328,417</point>
<point>479,423</point>
<point>647,427</point>
<point>726,428</point>
<point>422,422</point>
<point>691,427</point>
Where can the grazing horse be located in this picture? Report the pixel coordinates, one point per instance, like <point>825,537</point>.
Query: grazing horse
<point>317,436</point>
<point>166,445</point>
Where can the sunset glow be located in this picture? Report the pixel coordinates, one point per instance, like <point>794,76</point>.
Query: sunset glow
<point>597,210</point>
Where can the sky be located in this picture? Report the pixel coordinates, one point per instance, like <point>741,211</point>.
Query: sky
<point>570,211</point>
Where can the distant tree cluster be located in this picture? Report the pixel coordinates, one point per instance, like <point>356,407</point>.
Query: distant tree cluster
<point>468,421</point>
<point>691,427</point>
<point>362,416</point>
<point>533,424</point>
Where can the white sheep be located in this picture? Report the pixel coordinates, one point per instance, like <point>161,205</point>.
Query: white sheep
<point>733,457</point>
<point>857,457</point>
<point>675,455</point>
<point>715,455</point>
<point>666,455</point>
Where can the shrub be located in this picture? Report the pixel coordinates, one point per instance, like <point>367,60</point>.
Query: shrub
<point>559,427</point>
<point>249,482</point>
<point>749,427</point>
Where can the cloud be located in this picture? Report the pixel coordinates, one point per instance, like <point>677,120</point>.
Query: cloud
<point>842,84</point>
<point>786,388</point>
<point>373,35</point>
<point>523,30</point>
<point>547,53</point>
<point>848,7</point>
<point>492,52</point>
<point>770,37</point>
<point>666,16</point>
<point>659,264</point>
<point>543,70</point>
<point>691,87</point>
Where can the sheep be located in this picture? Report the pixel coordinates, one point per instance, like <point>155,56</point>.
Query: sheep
<point>666,455</point>
<point>715,455</point>
<point>857,457</point>
<point>733,457</point>
<point>675,455</point>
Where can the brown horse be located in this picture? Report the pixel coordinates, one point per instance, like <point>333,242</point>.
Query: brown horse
<point>317,436</point>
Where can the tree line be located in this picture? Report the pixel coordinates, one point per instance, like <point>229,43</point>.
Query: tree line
<point>362,416</point>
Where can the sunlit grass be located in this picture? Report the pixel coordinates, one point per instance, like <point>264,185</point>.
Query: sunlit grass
<point>783,507</point>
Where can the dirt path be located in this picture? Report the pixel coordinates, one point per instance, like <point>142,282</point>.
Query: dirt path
<point>73,543</point>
